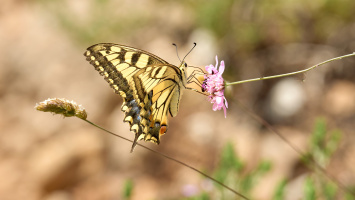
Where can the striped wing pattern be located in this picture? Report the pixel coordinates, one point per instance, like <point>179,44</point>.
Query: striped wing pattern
<point>150,87</point>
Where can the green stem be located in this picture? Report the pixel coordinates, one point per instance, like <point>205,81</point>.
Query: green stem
<point>170,158</point>
<point>291,73</point>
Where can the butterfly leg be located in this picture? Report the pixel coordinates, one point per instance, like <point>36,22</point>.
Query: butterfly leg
<point>197,71</point>
<point>196,77</point>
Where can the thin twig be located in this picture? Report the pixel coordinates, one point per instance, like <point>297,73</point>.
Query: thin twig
<point>291,73</point>
<point>296,149</point>
<point>172,159</point>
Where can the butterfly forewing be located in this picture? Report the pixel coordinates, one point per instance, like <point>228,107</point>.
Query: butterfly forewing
<point>150,86</point>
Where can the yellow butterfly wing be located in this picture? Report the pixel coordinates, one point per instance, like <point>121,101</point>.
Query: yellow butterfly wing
<point>157,91</point>
<point>150,86</point>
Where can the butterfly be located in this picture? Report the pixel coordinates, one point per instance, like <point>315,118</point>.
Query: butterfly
<point>151,88</point>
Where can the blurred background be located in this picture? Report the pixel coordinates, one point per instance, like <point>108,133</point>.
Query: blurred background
<point>48,157</point>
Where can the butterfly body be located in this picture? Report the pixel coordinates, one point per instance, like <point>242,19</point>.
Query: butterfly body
<point>151,88</point>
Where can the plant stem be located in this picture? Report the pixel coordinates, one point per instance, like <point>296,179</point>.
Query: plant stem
<point>291,73</point>
<point>170,158</point>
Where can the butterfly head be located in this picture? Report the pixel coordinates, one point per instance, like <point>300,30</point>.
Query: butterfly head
<point>182,69</point>
<point>183,65</point>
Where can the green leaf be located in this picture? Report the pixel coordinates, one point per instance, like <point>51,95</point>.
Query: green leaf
<point>280,191</point>
<point>329,191</point>
<point>309,189</point>
<point>127,189</point>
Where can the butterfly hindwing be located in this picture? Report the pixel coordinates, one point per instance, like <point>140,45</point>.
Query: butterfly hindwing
<point>157,90</point>
<point>150,86</point>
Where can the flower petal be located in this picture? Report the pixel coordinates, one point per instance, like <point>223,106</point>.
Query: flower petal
<point>225,112</point>
<point>221,68</point>
<point>219,93</point>
<point>209,68</point>
<point>214,107</point>
<point>225,101</point>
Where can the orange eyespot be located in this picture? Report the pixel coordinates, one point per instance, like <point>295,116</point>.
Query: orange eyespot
<point>162,130</point>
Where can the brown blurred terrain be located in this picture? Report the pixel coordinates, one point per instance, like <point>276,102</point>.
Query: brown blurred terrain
<point>41,56</point>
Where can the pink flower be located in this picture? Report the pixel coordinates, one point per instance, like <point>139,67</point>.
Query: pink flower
<point>214,85</point>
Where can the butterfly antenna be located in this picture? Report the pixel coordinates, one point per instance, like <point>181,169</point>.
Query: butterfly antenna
<point>190,51</point>
<point>177,53</point>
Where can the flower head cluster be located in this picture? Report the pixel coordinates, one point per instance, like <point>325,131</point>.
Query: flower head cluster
<point>62,106</point>
<point>214,85</point>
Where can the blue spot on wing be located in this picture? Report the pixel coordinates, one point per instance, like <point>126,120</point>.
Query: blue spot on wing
<point>134,112</point>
